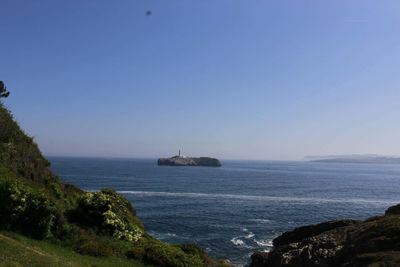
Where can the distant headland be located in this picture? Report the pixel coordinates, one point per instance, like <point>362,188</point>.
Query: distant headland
<point>180,160</point>
<point>369,158</point>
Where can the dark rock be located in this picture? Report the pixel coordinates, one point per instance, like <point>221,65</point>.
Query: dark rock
<point>259,259</point>
<point>393,210</point>
<point>344,243</point>
<point>300,233</point>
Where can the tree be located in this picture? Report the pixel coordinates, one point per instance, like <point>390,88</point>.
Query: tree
<point>3,90</point>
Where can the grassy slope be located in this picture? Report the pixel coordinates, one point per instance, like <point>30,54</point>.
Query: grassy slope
<point>28,188</point>
<point>17,250</point>
<point>21,160</point>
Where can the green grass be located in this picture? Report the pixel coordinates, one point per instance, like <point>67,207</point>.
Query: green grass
<point>17,250</point>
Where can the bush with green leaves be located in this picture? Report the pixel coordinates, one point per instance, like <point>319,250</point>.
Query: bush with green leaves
<point>138,253</point>
<point>108,213</point>
<point>171,256</point>
<point>25,210</point>
<point>158,253</point>
<point>94,248</point>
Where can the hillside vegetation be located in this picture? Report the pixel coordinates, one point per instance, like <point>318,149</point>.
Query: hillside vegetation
<point>17,250</point>
<point>44,222</point>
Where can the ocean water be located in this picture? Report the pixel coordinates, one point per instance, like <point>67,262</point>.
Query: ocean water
<point>239,208</point>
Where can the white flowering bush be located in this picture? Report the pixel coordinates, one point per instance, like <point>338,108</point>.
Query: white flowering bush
<point>109,213</point>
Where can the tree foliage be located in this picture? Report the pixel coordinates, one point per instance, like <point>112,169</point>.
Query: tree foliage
<point>3,90</point>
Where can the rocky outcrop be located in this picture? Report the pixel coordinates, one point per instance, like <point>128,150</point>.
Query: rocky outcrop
<point>394,210</point>
<point>298,234</point>
<point>187,161</point>
<point>343,243</point>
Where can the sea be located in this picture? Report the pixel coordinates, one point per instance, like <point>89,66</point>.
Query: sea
<point>239,208</point>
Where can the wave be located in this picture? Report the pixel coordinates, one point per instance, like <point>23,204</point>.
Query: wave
<point>240,243</point>
<point>250,235</point>
<point>264,243</point>
<point>260,220</point>
<point>162,236</point>
<point>260,198</point>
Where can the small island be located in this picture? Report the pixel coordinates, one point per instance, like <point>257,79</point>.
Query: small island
<point>180,160</point>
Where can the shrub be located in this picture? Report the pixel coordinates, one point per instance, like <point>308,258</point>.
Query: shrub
<point>138,253</point>
<point>171,256</point>
<point>109,213</point>
<point>56,189</point>
<point>191,249</point>
<point>25,210</point>
<point>94,248</point>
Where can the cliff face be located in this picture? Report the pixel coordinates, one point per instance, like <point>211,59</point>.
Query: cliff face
<point>187,161</point>
<point>373,242</point>
<point>34,202</point>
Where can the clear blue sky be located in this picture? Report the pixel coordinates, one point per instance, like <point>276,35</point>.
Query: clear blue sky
<point>252,79</point>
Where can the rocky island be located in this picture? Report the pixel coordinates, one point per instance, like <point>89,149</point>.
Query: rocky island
<point>373,242</point>
<point>201,161</point>
<point>180,160</point>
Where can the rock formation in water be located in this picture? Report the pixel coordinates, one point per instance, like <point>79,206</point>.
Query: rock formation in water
<point>343,243</point>
<point>188,161</point>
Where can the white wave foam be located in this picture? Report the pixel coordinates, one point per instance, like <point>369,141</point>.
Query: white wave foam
<point>170,234</point>
<point>261,198</point>
<point>162,235</point>
<point>238,242</point>
<point>264,243</point>
<point>250,235</point>
<point>260,220</point>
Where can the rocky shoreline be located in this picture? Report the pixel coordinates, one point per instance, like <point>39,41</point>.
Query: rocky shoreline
<point>342,243</point>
